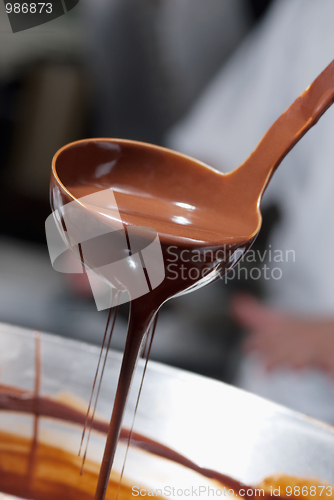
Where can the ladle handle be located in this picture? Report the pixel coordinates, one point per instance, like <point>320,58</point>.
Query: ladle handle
<point>287,130</point>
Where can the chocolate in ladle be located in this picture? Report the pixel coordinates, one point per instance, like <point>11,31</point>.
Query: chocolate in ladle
<point>190,205</point>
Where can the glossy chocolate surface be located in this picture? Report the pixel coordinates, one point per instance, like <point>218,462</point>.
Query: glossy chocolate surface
<point>187,203</point>
<point>56,473</point>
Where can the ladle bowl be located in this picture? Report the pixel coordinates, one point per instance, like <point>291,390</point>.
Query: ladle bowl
<point>114,199</point>
<point>138,191</point>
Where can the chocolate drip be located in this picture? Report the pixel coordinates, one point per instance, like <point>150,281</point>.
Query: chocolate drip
<point>34,443</point>
<point>189,205</point>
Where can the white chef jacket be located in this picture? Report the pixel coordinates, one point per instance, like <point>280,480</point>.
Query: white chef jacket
<point>293,44</point>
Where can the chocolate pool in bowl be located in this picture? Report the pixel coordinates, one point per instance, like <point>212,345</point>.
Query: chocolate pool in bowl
<point>209,424</point>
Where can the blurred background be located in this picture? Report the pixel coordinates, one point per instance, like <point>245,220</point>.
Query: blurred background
<point>109,68</point>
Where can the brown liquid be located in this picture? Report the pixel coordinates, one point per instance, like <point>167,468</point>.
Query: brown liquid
<point>12,399</point>
<point>189,205</point>
<point>205,231</point>
<point>57,473</point>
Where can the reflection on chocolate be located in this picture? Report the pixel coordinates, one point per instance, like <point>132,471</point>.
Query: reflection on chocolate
<point>57,473</point>
<point>12,399</point>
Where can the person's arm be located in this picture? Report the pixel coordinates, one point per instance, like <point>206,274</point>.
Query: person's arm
<point>284,340</point>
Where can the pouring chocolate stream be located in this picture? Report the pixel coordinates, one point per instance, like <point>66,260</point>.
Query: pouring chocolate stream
<point>189,205</point>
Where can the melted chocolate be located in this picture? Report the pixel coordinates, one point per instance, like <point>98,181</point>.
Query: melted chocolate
<point>149,169</point>
<point>56,472</point>
<point>190,206</point>
<point>13,399</point>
